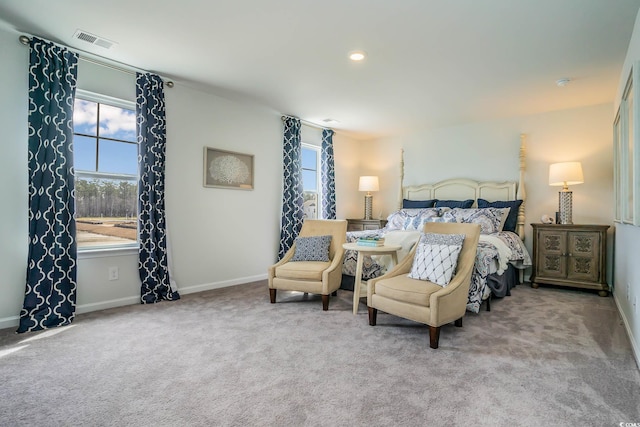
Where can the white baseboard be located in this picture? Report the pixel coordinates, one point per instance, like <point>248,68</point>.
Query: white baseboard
<point>103,305</point>
<point>634,346</point>
<point>14,321</point>
<point>223,284</point>
<point>9,322</point>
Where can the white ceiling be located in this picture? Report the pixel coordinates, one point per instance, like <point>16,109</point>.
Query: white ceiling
<point>430,63</point>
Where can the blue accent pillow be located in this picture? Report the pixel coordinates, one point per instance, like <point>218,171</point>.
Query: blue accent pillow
<point>313,248</point>
<point>512,219</point>
<point>463,204</point>
<point>417,204</point>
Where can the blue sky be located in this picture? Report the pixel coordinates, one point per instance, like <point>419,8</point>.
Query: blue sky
<point>309,161</point>
<point>115,122</point>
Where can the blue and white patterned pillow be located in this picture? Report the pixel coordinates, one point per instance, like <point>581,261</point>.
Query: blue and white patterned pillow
<point>410,219</point>
<point>436,257</point>
<point>443,219</point>
<point>313,248</point>
<point>490,219</point>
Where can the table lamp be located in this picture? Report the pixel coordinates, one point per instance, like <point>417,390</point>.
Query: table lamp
<point>368,184</point>
<point>565,174</point>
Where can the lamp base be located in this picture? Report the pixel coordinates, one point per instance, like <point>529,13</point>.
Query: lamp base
<point>368,206</point>
<point>565,212</point>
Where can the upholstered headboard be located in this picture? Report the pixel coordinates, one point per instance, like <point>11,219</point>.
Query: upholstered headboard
<point>464,189</point>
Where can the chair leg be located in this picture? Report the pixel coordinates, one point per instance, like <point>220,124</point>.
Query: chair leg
<point>434,336</point>
<point>325,302</point>
<point>489,302</point>
<point>334,293</point>
<point>458,322</point>
<point>272,295</point>
<point>373,316</point>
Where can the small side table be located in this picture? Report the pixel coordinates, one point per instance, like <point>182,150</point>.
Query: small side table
<point>367,250</point>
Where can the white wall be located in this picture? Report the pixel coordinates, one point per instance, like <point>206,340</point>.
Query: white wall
<point>219,237</point>
<point>627,243</point>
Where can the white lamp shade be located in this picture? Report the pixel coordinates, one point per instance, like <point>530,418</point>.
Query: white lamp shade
<point>566,173</point>
<point>368,183</point>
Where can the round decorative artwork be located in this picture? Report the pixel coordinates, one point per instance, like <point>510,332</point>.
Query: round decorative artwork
<point>229,170</point>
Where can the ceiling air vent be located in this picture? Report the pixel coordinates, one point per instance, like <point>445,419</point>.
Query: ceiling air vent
<point>93,39</point>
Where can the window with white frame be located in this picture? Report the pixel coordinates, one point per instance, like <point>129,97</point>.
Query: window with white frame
<point>311,181</point>
<point>105,151</point>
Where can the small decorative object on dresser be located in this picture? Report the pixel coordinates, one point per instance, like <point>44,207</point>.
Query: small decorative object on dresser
<point>570,255</point>
<point>365,224</point>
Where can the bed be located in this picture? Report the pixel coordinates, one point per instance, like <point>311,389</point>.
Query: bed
<point>499,207</point>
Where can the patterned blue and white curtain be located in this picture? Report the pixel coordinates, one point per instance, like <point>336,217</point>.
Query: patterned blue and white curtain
<point>327,176</point>
<point>151,127</point>
<point>292,198</point>
<point>50,296</point>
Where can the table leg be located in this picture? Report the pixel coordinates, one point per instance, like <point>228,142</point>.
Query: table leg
<point>394,258</point>
<point>357,283</point>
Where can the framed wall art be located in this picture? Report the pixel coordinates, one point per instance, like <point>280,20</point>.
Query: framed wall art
<point>227,169</point>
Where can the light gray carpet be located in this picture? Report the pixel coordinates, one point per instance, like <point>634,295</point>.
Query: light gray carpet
<point>545,357</point>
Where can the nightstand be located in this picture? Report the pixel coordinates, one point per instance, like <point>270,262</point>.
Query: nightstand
<point>365,224</point>
<point>570,255</point>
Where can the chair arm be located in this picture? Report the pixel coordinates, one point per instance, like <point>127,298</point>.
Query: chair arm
<point>334,271</point>
<point>335,262</point>
<point>458,290</point>
<point>271,270</point>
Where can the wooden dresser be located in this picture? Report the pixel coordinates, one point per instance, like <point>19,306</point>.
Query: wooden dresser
<point>365,224</point>
<point>570,255</point>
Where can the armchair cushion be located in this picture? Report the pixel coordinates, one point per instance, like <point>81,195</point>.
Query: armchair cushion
<point>404,289</point>
<point>302,270</point>
<point>436,257</point>
<point>312,248</point>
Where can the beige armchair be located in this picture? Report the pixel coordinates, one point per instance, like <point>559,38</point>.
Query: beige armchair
<point>423,301</point>
<point>315,277</point>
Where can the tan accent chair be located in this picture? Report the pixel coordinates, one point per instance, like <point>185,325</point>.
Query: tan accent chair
<point>423,301</point>
<point>315,277</point>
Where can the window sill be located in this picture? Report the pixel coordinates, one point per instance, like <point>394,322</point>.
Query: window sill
<point>107,252</point>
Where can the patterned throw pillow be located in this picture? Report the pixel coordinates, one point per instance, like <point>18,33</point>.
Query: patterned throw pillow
<point>443,218</point>
<point>512,220</point>
<point>436,257</point>
<point>410,219</point>
<point>490,219</point>
<point>314,248</point>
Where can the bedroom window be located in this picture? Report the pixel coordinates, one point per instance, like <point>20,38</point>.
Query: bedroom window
<point>311,181</point>
<point>106,164</point>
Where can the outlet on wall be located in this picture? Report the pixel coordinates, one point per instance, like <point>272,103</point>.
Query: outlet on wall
<point>113,273</point>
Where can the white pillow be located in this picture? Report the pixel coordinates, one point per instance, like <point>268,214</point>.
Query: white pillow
<point>436,257</point>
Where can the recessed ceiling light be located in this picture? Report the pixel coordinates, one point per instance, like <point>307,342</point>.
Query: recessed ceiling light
<point>357,55</point>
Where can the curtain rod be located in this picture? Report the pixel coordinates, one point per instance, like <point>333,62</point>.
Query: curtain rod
<point>306,123</point>
<point>25,40</point>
